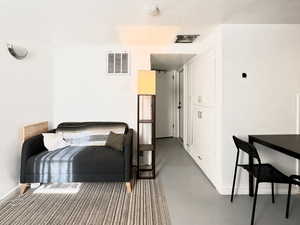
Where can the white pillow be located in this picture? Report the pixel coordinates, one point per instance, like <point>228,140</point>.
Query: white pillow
<point>54,141</point>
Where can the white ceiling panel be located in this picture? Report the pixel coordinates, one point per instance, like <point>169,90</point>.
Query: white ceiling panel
<point>115,20</point>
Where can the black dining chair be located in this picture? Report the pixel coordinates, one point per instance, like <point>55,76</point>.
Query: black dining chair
<point>264,173</point>
<point>295,179</point>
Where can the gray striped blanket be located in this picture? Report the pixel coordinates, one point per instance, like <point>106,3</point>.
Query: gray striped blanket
<point>89,134</point>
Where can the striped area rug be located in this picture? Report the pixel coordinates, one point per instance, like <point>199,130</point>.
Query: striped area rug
<point>95,203</point>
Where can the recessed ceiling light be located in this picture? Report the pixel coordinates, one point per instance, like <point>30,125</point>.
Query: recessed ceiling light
<point>155,11</point>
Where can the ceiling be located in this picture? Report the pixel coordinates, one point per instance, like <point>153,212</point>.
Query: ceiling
<point>169,61</point>
<point>127,21</point>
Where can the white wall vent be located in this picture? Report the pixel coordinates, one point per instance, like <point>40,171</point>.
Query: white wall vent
<point>118,63</point>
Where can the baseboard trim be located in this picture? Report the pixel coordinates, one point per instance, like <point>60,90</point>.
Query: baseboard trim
<point>262,190</point>
<point>11,194</point>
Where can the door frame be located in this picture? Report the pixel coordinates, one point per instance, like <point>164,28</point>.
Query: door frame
<point>181,70</point>
<point>185,105</point>
<point>175,103</point>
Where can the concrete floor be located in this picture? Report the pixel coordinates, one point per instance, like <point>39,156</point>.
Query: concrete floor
<point>192,200</point>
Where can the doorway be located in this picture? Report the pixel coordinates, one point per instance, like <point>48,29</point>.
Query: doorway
<point>170,118</point>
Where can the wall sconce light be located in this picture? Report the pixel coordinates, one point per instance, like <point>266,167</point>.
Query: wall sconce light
<point>17,51</point>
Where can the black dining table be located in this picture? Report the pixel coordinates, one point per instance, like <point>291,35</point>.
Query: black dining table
<point>288,144</point>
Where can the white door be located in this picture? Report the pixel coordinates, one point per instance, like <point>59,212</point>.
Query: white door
<point>207,142</point>
<point>203,79</point>
<point>203,147</point>
<point>189,108</point>
<point>202,70</point>
<point>196,135</point>
<point>164,106</point>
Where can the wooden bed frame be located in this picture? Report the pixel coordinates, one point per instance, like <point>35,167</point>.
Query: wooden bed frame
<point>28,132</point>
<point>36,129</point>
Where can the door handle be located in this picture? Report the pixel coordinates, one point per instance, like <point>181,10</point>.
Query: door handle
<point>179,105</point>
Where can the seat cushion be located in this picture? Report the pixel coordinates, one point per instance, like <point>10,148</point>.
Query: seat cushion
<point>268,173</point>
<point>74,163</point>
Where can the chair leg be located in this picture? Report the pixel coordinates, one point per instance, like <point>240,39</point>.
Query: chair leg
<point>273,197</point>
<point>288,202</point>
<point>254,203</point>
<point>233,185</point>
<point>234,176</point>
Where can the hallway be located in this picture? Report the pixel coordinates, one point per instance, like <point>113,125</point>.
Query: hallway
<point>192,200</point>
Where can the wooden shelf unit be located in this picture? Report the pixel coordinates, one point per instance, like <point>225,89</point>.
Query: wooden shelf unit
<point>146,147</point>
<point>142,148</point>
<point>145,121</point>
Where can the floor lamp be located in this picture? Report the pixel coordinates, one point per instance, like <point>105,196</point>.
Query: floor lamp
<point>146,88</point>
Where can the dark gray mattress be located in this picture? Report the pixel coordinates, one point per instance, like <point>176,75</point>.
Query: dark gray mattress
<point>72,164</point>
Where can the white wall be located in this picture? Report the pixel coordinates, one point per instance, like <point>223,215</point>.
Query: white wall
<point>25,97</point>
<point>265,102</point>
<point>83,91</point>
<point>204,107</point>
<point>203,93</point>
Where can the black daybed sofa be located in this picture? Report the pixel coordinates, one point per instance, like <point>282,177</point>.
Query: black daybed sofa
<point>77,163</point>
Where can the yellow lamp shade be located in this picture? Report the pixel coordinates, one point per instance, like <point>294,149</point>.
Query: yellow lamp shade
<point>146,82</point>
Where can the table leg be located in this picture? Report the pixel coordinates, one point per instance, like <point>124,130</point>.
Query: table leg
<point>251,179</point>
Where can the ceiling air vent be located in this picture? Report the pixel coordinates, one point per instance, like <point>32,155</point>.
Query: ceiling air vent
<point>186,38</point>
<point>118,63</point>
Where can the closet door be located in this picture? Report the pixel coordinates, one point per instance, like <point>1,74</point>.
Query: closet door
<point>203,102</point>
<point>204,79</point>
<point>208,80</point>
<point>197,149</point>
<point>203,140</point>
<point>207,142</point>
